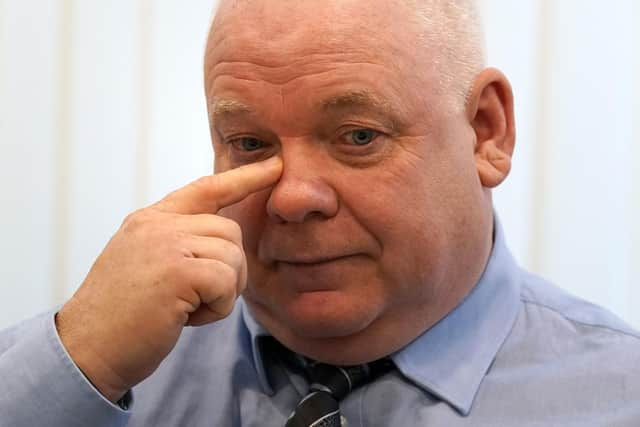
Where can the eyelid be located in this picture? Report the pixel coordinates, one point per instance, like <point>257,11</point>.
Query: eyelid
<point>237,137</point>
<point>367,122</point>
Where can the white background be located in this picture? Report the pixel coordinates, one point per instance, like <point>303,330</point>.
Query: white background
<point>102,111</point>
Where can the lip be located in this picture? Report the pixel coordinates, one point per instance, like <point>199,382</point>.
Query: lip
<point>314,274</point>
<point>312,261</point>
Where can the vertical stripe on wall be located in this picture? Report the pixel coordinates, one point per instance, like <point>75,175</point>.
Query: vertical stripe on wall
<point>145,78</point>
<point>63,153</point>
<point>104,105</point>
<point>3,54</point>
<point>634,289</point>
<point>541,133</point>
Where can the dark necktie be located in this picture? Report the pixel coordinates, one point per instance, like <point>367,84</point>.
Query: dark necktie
<point>328,385</point>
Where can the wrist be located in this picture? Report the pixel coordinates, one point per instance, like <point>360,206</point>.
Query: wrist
<point>89,363</point>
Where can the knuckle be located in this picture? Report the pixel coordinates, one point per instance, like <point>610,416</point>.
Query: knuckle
<point>229,279</point>
<point>204,181</point>
<point>136,220</point>
<point>244,273</point>
<point>179,238</point>
<point>237,255</point>
<point>226,302</point>
<point>172,272</point>
<point>235,231</point>
<point>233,253</point>
<point>226,291</point>
<point>225,309</point>
<point>206,185</point>
<point>227,228</point>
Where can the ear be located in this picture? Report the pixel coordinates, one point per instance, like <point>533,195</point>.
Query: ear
<point>490,113</point>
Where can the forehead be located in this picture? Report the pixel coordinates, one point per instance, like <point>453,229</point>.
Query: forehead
<point>367,43</point>
<point>277,33</point>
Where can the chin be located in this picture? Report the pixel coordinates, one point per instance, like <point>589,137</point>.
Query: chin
<point>317,315</point>
<point>339,335</point>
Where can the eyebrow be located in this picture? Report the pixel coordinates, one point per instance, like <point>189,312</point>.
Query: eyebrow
<point>365,100</point>
<point>356,98</point>
<point>221,107</point>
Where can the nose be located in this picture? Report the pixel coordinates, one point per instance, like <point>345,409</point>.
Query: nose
<point>302,192</point>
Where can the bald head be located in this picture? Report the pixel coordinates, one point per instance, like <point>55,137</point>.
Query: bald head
<point>453,31</point>
<point>447,34</point>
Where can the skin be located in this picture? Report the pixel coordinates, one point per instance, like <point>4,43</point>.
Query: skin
<point>348,251</point>
<point>173,264</point>
<point>357,249</point>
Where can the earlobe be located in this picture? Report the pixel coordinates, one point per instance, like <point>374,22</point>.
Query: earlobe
<point>490,113</point>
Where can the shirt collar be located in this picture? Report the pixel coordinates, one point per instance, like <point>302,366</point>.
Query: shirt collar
<point>450,359</point>
<point>257,333</point>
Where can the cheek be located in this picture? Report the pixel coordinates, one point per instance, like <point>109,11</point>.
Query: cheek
<point>393,206</point>
<point>410,211</point>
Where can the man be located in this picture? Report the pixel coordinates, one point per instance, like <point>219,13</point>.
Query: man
<point>356,146</point>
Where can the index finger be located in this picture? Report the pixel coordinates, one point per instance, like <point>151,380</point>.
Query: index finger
<point>211,193</point>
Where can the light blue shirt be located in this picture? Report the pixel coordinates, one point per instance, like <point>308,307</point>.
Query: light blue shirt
<point>516,352</point>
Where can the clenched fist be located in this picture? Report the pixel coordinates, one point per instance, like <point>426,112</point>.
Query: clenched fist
<point>173,264</point>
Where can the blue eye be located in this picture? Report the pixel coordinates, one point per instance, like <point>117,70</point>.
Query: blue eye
<point>363,136</point>
<point>249,144</point>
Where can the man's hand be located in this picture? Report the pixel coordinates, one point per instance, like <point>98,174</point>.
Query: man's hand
<point>173,264</point>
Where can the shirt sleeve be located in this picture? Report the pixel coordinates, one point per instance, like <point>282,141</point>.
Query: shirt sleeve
<point>41,385</point>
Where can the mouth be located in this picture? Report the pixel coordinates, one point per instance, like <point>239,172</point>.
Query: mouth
<point>318,274</point>
<point>311,261</point>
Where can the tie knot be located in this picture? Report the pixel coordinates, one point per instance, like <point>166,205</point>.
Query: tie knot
<point>341,380</point>
<point>328,385</point>
<point>336,380</point>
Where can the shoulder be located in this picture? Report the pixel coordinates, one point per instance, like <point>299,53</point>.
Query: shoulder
<point>565,362</point>
<point>546,304</point>
<point>572,340</point>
